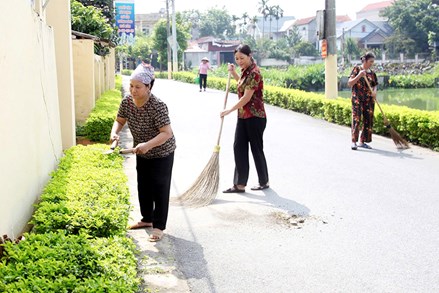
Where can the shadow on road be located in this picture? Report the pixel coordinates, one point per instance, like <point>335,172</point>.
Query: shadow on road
<point>398,154</point>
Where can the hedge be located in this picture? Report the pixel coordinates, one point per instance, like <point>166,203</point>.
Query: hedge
<point>87,194</point>
<point>418,127</point>
<point>98,125</point>
<point>58,262</point>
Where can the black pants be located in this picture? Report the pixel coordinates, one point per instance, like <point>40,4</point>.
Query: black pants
<point>153,185</point>
<point>251,131</point>
<point>203,80</point>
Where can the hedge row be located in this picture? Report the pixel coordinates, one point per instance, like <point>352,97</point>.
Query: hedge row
<point>98,125</point>
<point>419,127</point>
<point>77,243</point>
<point>58,262</point>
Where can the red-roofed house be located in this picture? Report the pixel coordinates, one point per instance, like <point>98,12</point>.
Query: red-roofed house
<point>372,11</point>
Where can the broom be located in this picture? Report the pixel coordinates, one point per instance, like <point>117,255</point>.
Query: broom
<point>400,142</point>
<point>203,191</point>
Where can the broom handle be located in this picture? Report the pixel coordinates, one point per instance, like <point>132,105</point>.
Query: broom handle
<point>225,103</point>
<point>386,122</point>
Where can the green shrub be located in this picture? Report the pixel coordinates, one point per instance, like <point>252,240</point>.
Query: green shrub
<point>412,81</point>
<point>100,121</point>
<point>127,71</point>
<point>419,127</point>
<point>87,194</point>
<point>56,262</point>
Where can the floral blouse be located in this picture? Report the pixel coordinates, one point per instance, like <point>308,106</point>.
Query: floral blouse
<point>251,79</point>
<point>145,123</point>
<point>360,89</point>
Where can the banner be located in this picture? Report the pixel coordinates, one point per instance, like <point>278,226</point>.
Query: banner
<point>125,20</point>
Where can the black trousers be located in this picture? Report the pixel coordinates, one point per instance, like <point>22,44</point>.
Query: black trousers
<point>203,80</point>
<point>154,185</point>
<point>251,131</point>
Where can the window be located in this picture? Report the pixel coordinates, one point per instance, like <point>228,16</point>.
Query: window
<point>363,29</point>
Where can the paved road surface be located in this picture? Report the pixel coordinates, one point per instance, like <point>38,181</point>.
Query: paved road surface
<point>370,217</point>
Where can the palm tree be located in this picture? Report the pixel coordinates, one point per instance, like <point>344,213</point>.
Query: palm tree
<point>278,13</point>
<point>253,21</point>
<point>270,13</point>
<point>244,18</point>
<point>262,9</point>
<point>234,20</point>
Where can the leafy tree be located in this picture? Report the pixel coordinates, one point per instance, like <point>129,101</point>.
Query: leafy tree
<point>352,49</point>
<point>191,20</point>
<point>217,23</point>
<point>90,20</point>
<point>304,48</point>
<point>106,6</point>
<point>399,43</point>
<point>293,37</point>
<point>413,20</point>
<point>159,40</point>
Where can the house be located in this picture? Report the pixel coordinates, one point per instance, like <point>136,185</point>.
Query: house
<point>146,22</point>
<point>269,29</point>
<point>368,34</point>
<point>218,51</point>
<point>373,10</point>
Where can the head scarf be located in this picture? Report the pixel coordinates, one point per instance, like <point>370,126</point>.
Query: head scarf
<point>142,74</point>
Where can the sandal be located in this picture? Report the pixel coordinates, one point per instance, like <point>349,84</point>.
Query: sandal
<point>156,235</point>
<point>140,225</point>
<point>234,189</point>
<point>365,146</point>
<point>260,187</point>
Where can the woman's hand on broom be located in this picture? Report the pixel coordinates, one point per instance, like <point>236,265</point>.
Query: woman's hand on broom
<point>225,113</point>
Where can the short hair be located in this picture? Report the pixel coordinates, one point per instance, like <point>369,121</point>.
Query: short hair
<point>244,49</point>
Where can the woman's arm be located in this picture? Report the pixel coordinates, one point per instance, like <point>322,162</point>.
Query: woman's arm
<point>231,68</point>
<point>248,93</point>
<point>159,139</point>
<point>354,80</point>
<point>117,127</point>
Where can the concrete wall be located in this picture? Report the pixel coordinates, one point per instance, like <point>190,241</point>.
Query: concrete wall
<point>58,17</point>
<point>84,77</point>
<point>93,75</point>
<point>29,113</point>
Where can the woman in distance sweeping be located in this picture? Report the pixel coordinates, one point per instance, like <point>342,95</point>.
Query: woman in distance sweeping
<point>363,101</point>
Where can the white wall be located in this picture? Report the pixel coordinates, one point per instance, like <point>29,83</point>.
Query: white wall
<point>29,114</point>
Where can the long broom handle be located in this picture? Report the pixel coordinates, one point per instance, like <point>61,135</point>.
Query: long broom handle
<point>386,122</point>
<point>225,104</point>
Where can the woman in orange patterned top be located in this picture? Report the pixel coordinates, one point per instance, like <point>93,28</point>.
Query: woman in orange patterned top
<point>251,121</point>
<point>363,100</point>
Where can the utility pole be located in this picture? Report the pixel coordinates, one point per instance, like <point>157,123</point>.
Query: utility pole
<point>168,34</point>
<point>174,39</point>
<point>331,60</point>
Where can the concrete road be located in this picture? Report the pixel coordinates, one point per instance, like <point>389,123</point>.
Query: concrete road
<point>364,221</point>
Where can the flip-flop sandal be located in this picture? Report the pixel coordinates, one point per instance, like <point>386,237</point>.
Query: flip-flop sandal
<point>140,225</point>
<point>365,146</point>
<point>156,235</point>
<point>234,189</point>
<point>260,187</point>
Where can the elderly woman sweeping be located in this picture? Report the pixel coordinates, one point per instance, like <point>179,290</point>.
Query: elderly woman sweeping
<point>154,145</point>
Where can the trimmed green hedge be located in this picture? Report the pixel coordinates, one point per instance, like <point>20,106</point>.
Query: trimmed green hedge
<point>87,194</point>
<point>57,262</point>
<point>98,125</point>
<point>419,127</point>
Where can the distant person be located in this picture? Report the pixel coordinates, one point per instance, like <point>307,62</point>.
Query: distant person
<point>363,101</point>
<point>251,121</point>
<point>154,144</point>
<point>204,67</point>
<point>146,65</point>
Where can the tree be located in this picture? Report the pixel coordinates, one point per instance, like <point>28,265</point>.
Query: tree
<point>304,48</point>
<point>217,23</point>
<point>263,9</point>
<point>278,13</point>
<point>105,6</point>
<point>293,37</point>
<point>159,40</point>
<point>352,49</point>
<point>90,20</point>
<point>191,20</point>
<point>413,20</point>
<point>254,21</point>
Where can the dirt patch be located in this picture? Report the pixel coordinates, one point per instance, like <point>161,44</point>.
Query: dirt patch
<point>294,221</point>
<point>83,140</point>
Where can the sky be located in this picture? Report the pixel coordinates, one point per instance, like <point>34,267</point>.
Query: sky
<point>296,8</point>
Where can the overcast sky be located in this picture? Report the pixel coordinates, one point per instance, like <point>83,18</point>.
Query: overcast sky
<point>296,8</point>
